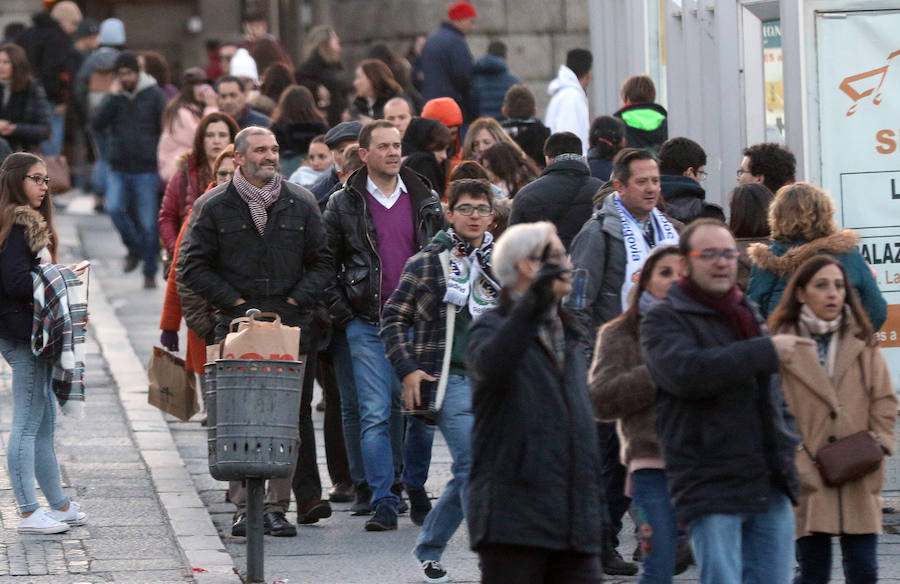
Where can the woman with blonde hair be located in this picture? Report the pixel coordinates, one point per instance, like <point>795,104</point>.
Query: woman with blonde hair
<point>322,65</point>
<point>801,219</point>
<point>481,135</point>
<point>838,388</point>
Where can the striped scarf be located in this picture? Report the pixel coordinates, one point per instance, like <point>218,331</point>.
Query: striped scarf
<point>259,199</point>
<point>57,332</point>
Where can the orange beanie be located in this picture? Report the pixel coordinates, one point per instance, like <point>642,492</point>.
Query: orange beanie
<point>444,109</point>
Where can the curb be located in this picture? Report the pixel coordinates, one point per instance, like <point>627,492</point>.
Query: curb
<point>194,531</point>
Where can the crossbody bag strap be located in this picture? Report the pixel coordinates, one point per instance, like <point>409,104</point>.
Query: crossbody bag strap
<point>444,257</point>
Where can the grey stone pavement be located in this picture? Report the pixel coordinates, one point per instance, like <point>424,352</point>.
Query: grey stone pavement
<point>147,526</point>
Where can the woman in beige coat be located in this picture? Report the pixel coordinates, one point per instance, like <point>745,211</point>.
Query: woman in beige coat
<point>835,389</point>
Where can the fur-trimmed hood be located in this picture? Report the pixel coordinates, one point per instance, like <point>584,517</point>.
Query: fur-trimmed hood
<point>784,258</point>
<point>36,233</point>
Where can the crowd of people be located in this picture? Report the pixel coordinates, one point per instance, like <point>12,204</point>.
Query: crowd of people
<point>555,295</point>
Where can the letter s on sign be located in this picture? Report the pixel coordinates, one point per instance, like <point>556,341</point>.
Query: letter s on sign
<point>887,141</point>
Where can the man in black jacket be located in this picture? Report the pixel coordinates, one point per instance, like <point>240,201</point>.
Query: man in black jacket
<point>726,433</point>
<point>131,116</point>
<point>383,216</point>
<point>259,242</point>
<point>535,503</point>
<point>564,192</point>
<point>682,167</point>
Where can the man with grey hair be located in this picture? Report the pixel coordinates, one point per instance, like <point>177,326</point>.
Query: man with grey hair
<point>534,441</point>
<point>259,242</point>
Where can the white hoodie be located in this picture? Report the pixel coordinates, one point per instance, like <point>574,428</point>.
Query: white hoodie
<point>568,109</point>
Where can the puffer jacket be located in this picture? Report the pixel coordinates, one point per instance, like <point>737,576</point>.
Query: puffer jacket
<point>490,80</point>
<point>774,264</point>
<point>29,110</point>
<point>356,292</point>
<point>183,189</point>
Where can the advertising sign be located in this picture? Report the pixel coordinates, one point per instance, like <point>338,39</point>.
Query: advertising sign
<point>859,118</point>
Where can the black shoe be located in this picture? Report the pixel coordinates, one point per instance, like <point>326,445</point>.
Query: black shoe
<point>276,524</point>
<point>239,527</point>
<point>131,262</point>
<point>385,519</point>
<point>311,511</point>
<point>433,571</point>
<point>362,505</point>
<point>419,505</point>
<point>638,555</point>
<point>149,281</point>
<point>402,506</point>
<point>683,557</point>
<point>341,493</point>
<point>615,565</point>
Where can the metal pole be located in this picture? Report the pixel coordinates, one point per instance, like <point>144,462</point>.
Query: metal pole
<point>255,497</point>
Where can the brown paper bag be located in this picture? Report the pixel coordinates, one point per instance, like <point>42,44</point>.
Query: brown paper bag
<point>172,389</point>
<point>260,339</point>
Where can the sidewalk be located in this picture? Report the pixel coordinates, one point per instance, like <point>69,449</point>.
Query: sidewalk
<point>335,550</point>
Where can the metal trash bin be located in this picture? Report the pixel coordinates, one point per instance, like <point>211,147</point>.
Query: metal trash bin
<point>209,390</point>
<point>257,409</point>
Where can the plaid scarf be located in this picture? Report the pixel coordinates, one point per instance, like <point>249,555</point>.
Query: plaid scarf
<point>259,199</point>
<point>57,332</point>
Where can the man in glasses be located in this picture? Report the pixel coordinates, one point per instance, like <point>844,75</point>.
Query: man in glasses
<point>682,170</point>
<point>564,192</point>
<point>383,216</point>
<point>769,164</point>
<point>442,290</point>
<point>726,432</point>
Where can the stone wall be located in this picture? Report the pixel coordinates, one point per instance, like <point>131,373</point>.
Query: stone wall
<point>537,33</point>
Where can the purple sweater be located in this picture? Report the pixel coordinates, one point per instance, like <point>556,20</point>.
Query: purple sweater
<point>396,240</point>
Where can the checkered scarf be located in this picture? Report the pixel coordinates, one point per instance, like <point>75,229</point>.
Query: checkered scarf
<point>259,199</point>
<point>57,332</point>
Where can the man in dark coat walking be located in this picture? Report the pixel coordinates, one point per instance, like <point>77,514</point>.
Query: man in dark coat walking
<point>726,433</point>
<point>447,62</point>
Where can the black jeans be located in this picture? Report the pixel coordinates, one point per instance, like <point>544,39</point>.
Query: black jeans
<point>613,474</point>
<point>508,564</point>
<point>306,484</point>
<point>335,450</point>
<point>858,554</point>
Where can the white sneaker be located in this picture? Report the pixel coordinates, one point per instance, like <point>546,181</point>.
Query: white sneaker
<point>74,516</point>
<point>41,522</point>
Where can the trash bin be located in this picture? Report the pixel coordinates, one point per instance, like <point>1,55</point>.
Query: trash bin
<point>209,390</point>
<point>257,411</point>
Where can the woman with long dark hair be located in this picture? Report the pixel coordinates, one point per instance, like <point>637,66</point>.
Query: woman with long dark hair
<point>195,170</point>
<point>837,388</point>
<point>24,109</point>
<point>402,71</point>
<point>322,66</point>
<point>181,118</point>
<point>749,223</point>
<point>28,238</point>
<point>508,168</point>
<point>295,122</point>
<point>621,390</point>
<point>375,85</point>
<point>425,146</point>
<point>606,137</point>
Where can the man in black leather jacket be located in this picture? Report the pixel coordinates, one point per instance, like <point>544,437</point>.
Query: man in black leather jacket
<point>383,216</point>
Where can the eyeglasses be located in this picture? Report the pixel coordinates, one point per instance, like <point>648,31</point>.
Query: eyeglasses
<point>467,210</point>
<point>38,179</point>
<point>225,173</point>
<point>711,255</point>
<point>740,172</point>
<point>703,174</point>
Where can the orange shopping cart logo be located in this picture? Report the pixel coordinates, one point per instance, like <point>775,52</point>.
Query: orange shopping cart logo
<point>862,85</point>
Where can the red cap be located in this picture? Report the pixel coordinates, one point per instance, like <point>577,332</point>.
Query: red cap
<point>444,109</point>
<point>461,10</point>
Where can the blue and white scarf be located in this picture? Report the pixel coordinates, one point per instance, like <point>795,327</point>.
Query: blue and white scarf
<point>637,248</point>
<point>468,280</point>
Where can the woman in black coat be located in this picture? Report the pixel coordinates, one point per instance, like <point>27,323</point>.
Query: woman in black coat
<point>24,109</point>
<point>322,66</point>
<point>375,86</point>
<point>425,145</point>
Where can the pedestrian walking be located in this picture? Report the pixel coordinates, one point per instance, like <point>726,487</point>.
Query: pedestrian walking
<point>28,238</point>
<point>24,123</point>
<point>568,107</point>
<point>296,122</point>
<point>836,388</point>
<point>522,123</point>
<point>606,138</point>
<point>714,367</point>
<point>375,86</point>
<point>768,163</point>
<point>682,169</point>
<point>181,118</point>
<point>647,124</point>
<point>749,223</point>
<point>491,79</point>
<point>232,94</point>
<point>425,145</point>
<point>507,169</point>
<point>322,66</point>
<point>446,61</point>
<point>481,135</point>
<point>535,501</point>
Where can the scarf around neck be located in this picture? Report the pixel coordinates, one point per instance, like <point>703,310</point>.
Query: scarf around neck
<point>469,282</point>
<point>259,199</point>
<point>731,306</point>
<point>637,247</point>
<point>823,333</point>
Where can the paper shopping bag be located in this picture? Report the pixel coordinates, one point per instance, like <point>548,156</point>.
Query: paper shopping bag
<point>172,389</point>
<point>260,339</point>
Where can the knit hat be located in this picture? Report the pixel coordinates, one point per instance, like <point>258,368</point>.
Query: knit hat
<point>243,65</point>
<point>461,10</point>
<point>444,109</point>
<point>342,132</point>
<point>128,60</point>
<point>87,27</point>
<point>112,32</point>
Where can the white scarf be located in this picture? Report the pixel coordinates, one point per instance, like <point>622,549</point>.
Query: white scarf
<point>637,249</point>
<point>468,282</point>
<point>810,324</point>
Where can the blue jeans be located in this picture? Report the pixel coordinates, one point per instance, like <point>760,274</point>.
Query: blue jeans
<point>455,421</point>
<point>416,453</point>
<point>53,146</point>
<point>378,394</point>
<point>100,172</point>
<point>858,554</point>
<point>30,453</point>
<point>343,372</point>
<point>748,548</point>
<point>138,190</point>
<point>651,500</point>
